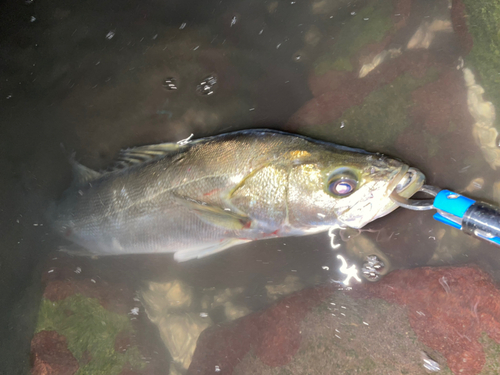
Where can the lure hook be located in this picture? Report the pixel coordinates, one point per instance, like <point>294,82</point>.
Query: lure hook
<point>417,204</point>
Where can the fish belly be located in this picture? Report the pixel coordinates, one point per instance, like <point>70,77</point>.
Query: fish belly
<point>162,231</point>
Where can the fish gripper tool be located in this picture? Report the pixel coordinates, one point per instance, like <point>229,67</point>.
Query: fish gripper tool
<point>476,218</point>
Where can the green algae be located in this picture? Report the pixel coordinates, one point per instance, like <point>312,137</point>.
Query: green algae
<point>492,353</point>
<point>90,331</point>
<point>369,25</point>
<point>381,118</point>
<point>484,25</point>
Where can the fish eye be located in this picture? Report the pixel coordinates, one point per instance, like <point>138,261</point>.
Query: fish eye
<point>342,183</point>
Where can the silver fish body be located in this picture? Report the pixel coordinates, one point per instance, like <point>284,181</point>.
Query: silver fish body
<point>205,196</point>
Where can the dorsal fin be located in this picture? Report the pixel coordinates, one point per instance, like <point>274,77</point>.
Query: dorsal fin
<point>142,154</point>
<point>81,173</point>
<point>126,158</point>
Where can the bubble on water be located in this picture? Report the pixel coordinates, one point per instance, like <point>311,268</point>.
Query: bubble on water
<point>234,20</point>
<point>207,86</point>
<point>373,267</point>
<point>134,311</point>
<point>170,84</point>
<point>110,34</point>
<point>298,56</point>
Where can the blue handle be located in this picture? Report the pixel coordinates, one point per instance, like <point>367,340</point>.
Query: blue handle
<point>452,203</point>
<point>479,219</point>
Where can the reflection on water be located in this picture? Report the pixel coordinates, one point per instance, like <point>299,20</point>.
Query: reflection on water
<point>416,79</point>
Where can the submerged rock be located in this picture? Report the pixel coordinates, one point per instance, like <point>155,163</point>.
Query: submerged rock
<point>291,284</point>
<point>168,307</point>
<point>437,319</point>
<point>166,296</point>
<point>97,322</point>
<point>484,114</point>
<point>450,309</point>
<point>180,333</point>
<point>51,356</point>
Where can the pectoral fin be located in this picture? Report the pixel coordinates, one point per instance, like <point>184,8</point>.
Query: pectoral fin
<point>188,254</point>
<point>215,215</point>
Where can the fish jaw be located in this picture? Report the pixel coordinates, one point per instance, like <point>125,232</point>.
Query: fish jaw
<point>407,185</point>
<point>406,182</point>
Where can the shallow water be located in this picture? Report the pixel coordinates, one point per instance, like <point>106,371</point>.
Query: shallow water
<point>92,78</point>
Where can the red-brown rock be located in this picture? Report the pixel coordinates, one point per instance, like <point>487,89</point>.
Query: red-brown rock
<point>346,90</point>
<point>449,309</point>
<point>123,341</point>
<point>50,355</point>
<point>274,335</point>
<point>459,23</point>
<point>440,103</point>
<point>114,297</point>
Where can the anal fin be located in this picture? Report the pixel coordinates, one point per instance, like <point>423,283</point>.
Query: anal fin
<point>76,250</point>
<point>197,253</point>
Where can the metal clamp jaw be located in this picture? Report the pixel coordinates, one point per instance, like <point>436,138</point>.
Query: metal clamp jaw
<point>478,219</point>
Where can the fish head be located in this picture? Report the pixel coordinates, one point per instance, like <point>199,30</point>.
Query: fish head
<point>347,188</point>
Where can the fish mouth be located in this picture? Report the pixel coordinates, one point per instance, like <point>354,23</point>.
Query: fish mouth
<point>409,183</point>
<point>405,183</point>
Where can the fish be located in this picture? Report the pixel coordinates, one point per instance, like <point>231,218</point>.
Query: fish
<point>200,197</point>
